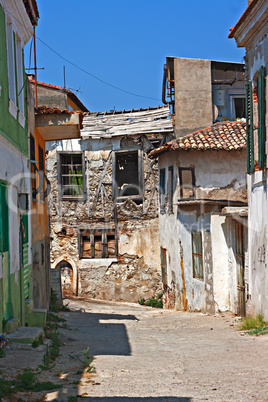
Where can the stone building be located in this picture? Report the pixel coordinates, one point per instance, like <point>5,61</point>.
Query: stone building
<point>104,205</point>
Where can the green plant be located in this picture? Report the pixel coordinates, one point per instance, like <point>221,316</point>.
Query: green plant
<point>72,398</point>
<point>85,361</point>
<point>253,322</point>
<point>4,324</point>
<point>38,342</point>
<point>25,381</point>
<point>152,302</point>
<point>2,353</point>
<point>52,351</point>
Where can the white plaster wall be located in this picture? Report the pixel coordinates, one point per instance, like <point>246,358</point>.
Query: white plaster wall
<point>222,266</point>
<point>258,204</point>
<point>214,169</point>
<point>258,219</point>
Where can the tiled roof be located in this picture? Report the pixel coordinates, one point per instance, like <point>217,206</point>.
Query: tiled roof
<point>52,110</point>
<point>223,136</point>
<point>71,95</point>
<point>242,18</point>
<point>32,10</point>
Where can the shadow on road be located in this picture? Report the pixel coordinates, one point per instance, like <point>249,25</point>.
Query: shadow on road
<point>130,399</point>
<point>104,334</point>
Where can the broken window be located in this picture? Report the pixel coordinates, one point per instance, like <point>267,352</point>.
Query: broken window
<point>197,255</point>
<point>128,176</point>
<point>163,265</point>
<point>187,182</point>
<point>162,188</point>
<point>170,189</point>
<point>71,171</point>
<point>97,243</point>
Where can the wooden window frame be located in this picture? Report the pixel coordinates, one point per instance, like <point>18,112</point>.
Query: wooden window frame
<point>163,259</point>
<point>170,189</point>
<point>162,190</point>
<point>261,117</point>
<point>136,198</point>
<point>192,170</point>
<point>59,164</point>
<point>196,271</point>
<point>92,233</point>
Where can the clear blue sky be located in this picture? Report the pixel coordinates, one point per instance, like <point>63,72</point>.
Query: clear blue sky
<point>125,43</point>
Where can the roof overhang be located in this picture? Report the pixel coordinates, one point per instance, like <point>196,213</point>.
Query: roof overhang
<point>252,24</point>
<point>55,127</point>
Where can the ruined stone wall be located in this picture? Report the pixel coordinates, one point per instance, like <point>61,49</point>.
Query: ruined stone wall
<point>136,272</point>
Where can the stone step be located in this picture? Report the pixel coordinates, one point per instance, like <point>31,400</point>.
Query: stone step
<point>26,335</point>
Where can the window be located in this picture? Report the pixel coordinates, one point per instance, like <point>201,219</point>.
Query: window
<point>162,188</point>
<point>187,182</point>
<point>71,175</point>
<point>20,84</point>
<point>255,95</point>
<point>128,176</point>
<point>197,255</point>
<point>97,243</point>
<point>11,69</point>
<point>163,256</point>
<point>170,189</point>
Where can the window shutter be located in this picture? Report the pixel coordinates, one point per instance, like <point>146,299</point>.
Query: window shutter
<point>249,118</point>
<point>261,129</point>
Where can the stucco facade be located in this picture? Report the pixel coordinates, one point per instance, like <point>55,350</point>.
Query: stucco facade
<point>15,220</point>
<point>251,32</point>
<point>209,220</point>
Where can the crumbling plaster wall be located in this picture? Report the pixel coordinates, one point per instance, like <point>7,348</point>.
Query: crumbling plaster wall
<point>136,272</point>
<point>219,175</point>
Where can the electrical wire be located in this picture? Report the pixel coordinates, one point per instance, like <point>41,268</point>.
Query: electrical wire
<point>82,69</point>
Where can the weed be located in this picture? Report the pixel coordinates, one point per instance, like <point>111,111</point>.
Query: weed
<point>2,353</point>
<point>51,317</point>
<point>25,381</point>
<point>158,302</point>
<point>253,323</point>
<point>4,324</point>
<point>72,398</point>
<point>85,361</point>
<point>259,331</point>
<point>52,350</point>
<point>79,371</point>
<point>38,342</point>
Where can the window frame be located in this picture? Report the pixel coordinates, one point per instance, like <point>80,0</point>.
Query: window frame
<point>140,174</point>
<point>192,170</point>
<point>162,190</point>
<point>197,273</point>
<point>91,233</point>
<point>71,197</point>
<point>170,188</point>
<point>11,67</point>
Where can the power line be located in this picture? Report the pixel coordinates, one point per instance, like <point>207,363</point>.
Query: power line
<point>82,69</point>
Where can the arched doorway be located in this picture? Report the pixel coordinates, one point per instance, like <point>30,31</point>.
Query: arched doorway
<point>66,278</point>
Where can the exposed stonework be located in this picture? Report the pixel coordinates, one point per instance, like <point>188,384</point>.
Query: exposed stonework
<point>135,273</point>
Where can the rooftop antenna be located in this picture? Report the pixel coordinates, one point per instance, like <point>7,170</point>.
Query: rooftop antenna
<point>64,83</point>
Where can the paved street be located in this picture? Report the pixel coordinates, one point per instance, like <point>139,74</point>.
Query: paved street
<point>145,354</point>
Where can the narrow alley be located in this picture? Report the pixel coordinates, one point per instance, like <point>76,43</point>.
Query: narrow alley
<point>146,354</point>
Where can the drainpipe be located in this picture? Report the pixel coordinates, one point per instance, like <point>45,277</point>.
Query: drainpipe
<point>164,85</point>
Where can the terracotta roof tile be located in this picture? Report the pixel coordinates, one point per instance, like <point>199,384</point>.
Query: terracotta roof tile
<point>226,136</point>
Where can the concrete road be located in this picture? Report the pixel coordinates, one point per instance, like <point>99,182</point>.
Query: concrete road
<point>145,354</point>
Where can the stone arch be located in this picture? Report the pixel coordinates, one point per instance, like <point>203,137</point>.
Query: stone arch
<point>65,258</point>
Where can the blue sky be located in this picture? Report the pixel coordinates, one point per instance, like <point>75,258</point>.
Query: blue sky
<point>125,43</point>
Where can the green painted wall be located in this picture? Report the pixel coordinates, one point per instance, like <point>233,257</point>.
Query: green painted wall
<point>10,128</point>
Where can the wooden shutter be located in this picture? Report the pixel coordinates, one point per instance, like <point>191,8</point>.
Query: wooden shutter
<point>249,118</point>
<point>261,110</point>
